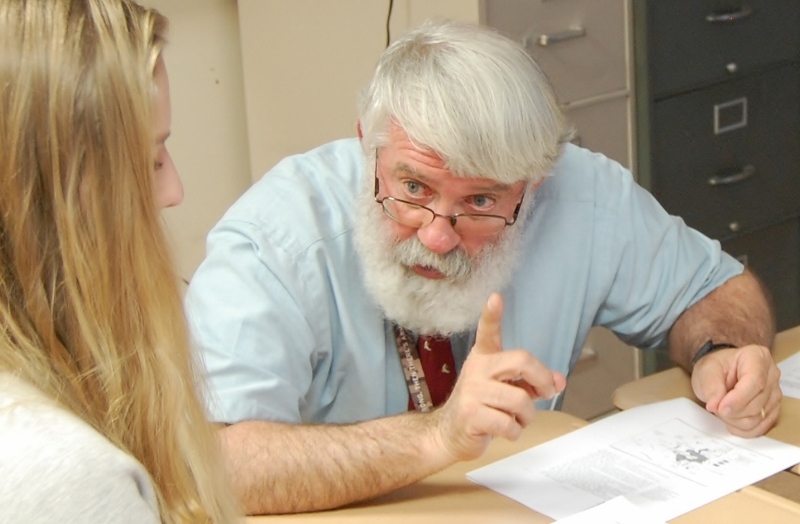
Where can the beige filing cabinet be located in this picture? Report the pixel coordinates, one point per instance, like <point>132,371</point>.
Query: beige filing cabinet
<point>584,48</point>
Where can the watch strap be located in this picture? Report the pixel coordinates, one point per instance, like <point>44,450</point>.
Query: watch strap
<point>708,347</point>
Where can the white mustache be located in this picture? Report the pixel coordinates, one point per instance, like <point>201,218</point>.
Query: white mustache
<point>455,265</point>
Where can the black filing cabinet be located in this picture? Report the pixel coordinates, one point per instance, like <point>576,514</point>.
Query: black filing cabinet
<point>718,128</point>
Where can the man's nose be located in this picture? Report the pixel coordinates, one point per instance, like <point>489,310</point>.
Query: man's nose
<point>439,236</point>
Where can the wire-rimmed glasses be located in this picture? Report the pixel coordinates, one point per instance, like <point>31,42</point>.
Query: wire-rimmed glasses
<point>418,216</point>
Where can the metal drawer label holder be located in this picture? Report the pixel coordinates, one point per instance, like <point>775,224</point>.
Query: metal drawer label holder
<point>729,116</point>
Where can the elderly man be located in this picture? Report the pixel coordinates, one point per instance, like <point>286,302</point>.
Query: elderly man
<point>344,292</point>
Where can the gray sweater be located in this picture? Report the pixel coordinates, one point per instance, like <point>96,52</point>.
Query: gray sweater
<point>56,468</point>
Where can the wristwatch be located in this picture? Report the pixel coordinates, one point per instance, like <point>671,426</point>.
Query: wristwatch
<point>708,347</point>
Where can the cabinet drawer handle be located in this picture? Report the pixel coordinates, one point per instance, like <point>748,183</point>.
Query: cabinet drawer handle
<point>732,178</point>
<point>733,16</point>
<point>568,34</point>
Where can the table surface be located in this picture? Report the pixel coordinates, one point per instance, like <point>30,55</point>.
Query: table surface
<point>675,382</point>
<point>448,496</point>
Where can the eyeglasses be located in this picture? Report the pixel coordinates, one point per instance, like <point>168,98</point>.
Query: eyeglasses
<point>419,216</point>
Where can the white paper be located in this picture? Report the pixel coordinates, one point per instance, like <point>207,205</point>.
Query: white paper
<point>667,458</point>
<point>790,376</point>
<point>618,510</point>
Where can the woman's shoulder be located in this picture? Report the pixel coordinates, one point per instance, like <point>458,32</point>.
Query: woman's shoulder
<point>53,464</point>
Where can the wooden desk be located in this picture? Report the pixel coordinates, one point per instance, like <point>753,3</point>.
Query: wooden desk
<point>448,497</point>
<point>675,382</point>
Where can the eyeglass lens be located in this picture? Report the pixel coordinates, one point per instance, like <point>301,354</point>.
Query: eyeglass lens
<point>417,216</point>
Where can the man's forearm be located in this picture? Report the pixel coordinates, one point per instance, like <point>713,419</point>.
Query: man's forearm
<point>736,313</point>
<point>283,468</point>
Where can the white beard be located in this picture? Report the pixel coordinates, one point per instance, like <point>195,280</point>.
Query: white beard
<point>429,306</point>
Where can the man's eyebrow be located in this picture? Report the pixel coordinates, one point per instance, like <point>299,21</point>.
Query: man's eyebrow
<point>407,169</point>
<point>412,171</point>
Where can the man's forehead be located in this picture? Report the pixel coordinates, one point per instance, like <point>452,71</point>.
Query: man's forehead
<point>444,175</point>
<point>427,165</point>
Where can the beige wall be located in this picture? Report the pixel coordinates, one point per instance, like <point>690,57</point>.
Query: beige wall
<point>209,137</point>
<point>306,60</point>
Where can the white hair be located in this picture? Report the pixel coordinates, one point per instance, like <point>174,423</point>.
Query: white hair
<point>471,95</point>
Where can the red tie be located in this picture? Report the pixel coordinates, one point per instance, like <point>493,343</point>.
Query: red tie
<point>436,356</point>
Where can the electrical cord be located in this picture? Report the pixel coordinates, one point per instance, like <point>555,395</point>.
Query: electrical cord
<point>389,19</point>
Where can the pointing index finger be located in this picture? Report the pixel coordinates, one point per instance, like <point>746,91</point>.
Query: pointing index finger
<point>488,337</point>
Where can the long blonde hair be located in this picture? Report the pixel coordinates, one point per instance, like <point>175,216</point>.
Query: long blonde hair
<point>90,308</point>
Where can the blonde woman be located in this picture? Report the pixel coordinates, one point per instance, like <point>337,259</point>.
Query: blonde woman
<point>100,417</point>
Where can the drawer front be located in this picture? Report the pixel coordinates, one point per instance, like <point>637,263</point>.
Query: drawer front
<point>605,364</point>
<point>603,127</point>
<point>727,158</point>
<point>773,253</point>
<point>580,44</point>
<point>687,50</point>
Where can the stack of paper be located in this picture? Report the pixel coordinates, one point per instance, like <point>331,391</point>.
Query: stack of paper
<point>666,458</point>
<point>790,376</point>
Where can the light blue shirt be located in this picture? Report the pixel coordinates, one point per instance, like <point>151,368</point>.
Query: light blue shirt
<point>289,332</point>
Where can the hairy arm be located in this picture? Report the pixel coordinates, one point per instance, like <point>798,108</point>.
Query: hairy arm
<point>739,385</point>
<point>286,468</point>
<point>737,313</point>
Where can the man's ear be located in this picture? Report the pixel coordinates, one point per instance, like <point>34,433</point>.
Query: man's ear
<point>358,130</point>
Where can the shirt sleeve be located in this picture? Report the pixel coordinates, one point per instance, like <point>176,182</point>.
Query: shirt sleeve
<point>254,338</point>
<point>275,307</point>
<point>656,266</point>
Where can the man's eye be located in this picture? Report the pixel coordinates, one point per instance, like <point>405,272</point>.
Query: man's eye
<point>481,201</point>
<point>412,187</point>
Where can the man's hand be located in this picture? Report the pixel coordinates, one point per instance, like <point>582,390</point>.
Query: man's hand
<point>495,391</point>
<point>741,387</point>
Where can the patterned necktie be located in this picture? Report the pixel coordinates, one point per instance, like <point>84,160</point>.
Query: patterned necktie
<point>436,356</point>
